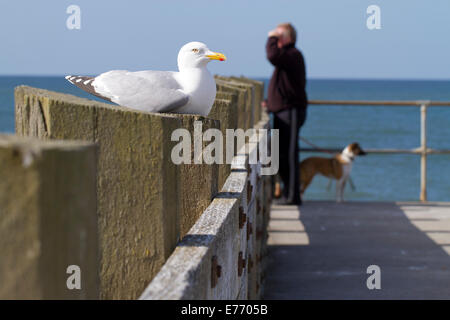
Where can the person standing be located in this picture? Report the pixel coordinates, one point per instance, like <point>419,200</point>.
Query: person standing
<point>287,101</point>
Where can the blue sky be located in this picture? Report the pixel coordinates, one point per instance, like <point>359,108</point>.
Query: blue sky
<point>413,42</point>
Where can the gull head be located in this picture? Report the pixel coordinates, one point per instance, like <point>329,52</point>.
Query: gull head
<point>197,55</point>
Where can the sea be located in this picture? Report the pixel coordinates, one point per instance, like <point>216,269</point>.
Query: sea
<point>377,177</point>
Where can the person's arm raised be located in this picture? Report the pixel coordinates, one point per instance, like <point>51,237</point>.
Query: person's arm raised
<point>272,50</point>
<point>275,55</point>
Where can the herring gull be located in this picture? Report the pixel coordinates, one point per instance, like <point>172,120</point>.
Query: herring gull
<point>191,90</point>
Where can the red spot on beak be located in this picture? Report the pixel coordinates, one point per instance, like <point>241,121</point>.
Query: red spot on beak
<point>221,59</point>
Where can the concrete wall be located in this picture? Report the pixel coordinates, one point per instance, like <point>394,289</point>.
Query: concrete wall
<point>222,255</point>
<point>147,204</point>
<point>225,109</point>
<point>242,98</point>
<point>48,218</point>
<point>198,183</point>
<point>258,87</point>
<point>143,202</point>
<point>249,102</point>
<point>218,239</point>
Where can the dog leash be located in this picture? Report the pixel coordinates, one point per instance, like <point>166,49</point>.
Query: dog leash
<point>315,146</point>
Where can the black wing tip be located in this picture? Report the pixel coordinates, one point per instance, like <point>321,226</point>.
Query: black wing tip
<point>85,83</point>
<point>79,79</point>
<point>68,78</point>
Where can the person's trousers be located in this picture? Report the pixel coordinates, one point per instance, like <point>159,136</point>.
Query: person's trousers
<point>289,122</point>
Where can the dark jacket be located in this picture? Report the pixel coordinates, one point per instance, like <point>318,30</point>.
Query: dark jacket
<point>287,85</point>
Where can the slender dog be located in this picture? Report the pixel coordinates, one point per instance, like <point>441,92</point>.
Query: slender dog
<point>337,168</point>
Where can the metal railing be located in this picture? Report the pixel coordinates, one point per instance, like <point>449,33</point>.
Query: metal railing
<point>423,150</point>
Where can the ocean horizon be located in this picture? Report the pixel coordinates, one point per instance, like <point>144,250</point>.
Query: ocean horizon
<point>392,177</point>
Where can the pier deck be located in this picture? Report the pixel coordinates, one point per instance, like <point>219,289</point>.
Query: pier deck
<point>323,249</point>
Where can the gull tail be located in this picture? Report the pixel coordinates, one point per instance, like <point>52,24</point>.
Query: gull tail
<point>85,83</point>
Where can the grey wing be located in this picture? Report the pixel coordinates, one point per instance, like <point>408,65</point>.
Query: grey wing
<point>153,91</point>
<point>85,83</point>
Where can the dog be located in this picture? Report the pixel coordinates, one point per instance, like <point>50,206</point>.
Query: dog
<point>337,168</point>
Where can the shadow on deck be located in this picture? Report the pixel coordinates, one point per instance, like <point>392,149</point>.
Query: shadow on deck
<point>323,251</point>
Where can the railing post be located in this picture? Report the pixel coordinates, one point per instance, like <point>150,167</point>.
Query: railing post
<point>423,157</point>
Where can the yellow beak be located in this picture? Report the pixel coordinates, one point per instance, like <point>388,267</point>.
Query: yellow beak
<point>217,56</point>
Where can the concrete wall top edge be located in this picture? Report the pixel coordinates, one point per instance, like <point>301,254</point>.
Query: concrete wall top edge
<point>68,98</point>
<point>222,100</point>
<point>173,280</point>
<point>34,143</point>
<point>242,78</point>
<point>229,95</point>
<point>228,84</point>
<point>235,184</point>
<point>177,276</point>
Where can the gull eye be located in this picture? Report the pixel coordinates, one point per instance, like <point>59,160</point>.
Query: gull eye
<point>195,50</point>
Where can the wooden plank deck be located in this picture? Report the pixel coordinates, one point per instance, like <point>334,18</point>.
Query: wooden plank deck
<point>322,251</point>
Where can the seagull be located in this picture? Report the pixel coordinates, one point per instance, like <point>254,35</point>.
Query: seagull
<point>190,90</point>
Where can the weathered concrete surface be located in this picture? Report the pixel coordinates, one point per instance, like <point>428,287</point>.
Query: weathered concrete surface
<point>187,273</point>
<point>137,189</point>
<point>261,203</point>
<point>198,183</point>
<point>323,251</point>
<point>221,234</point>
<point>48,218</point>
<point>250,97</point>
<point>258,96</point>
<point>242,98</point>
<point>145,202</point>
<point>225,109</point>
